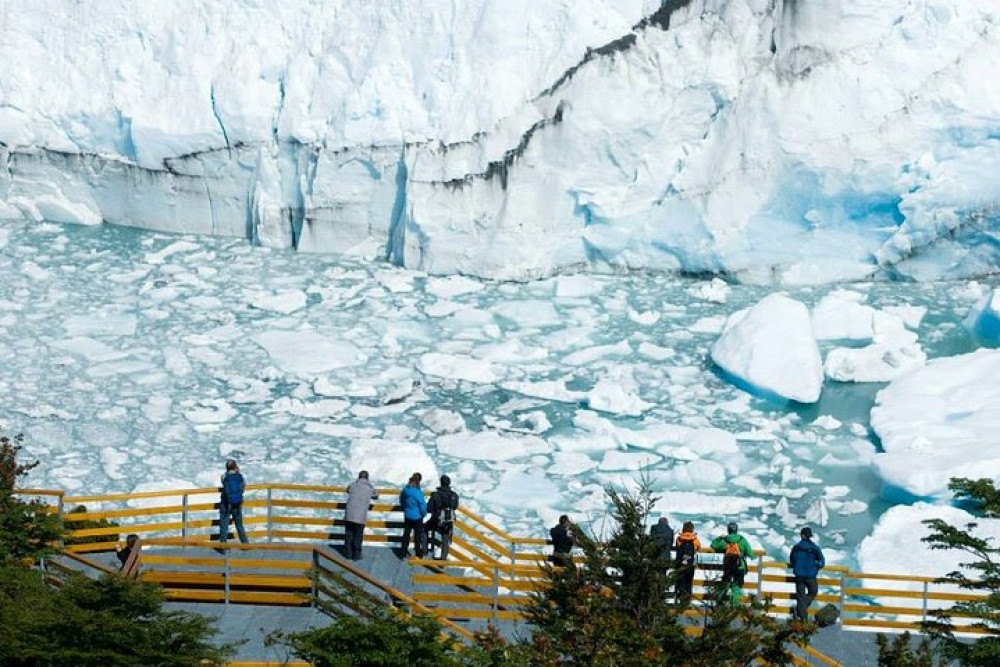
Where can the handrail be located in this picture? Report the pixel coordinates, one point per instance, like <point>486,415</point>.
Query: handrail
<point>282,512</point>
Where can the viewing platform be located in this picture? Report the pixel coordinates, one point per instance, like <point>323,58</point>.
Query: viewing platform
<point>295,533</point>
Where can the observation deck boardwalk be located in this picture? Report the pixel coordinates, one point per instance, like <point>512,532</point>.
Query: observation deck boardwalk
<point>487,579</point>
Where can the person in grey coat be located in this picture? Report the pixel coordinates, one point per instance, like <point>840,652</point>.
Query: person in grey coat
<point>360,494</point>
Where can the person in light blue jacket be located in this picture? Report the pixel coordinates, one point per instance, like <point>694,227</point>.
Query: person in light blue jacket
<point>806,560</point>
<point>411,499</point>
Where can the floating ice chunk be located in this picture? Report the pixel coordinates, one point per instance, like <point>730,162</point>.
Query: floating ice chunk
<point>852,507</point>
<point>522,491</point>
<point>553,390</point>
<point>510,352</point>
<point>529,313</point>
<point>619,460</point>
<point>836,317</point>
<point>176,361</point>
<point>895,544</point>
<point>644,318</point>
<point>688,503</point>
<point>709,325</point>
<point>161,485</point>
<point>570,463</point>
<point>89,349</point>
<point>340,430</point>
<point>491,446</point>
<point>826,422</point>
<point>984,319</point>
<point>715,291</point>
<point>655,352</point>
<point>455,367</point>
<point>442,421</point>
<point>446,288</point>
<point>770,348</point>
<point>101,323</point>
<point>112,460</point>
<point>911,316</point>
<point>308,353</point>
<point>611,395</point>
<point>690,475</point>
<point>284,302</point>
<point>875,363</point>
<point>157,408</point>
<point>395,281</point>
<point>590,354</point>
<point>324,408</point>
<point>567,287</point>
<point>390,461</point>
<point>177,246</point>
<point>939,422</point>
<point>818,513</point>
<point>121,367</point>
<point>211,411</point>
<point>35,272</point>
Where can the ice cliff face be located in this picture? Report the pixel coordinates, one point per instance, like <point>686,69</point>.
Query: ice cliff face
<point>774,140</point>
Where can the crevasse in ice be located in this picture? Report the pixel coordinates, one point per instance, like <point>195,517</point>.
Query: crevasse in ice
<point>775,140</point>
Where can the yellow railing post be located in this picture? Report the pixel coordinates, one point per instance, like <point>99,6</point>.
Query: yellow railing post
<point>184,516</point>
<point>496,595</point>
<point>513,558</point>
<point>760,575</point>
<point>315,572</point>
<point>269,515</point>
<point>225,576</point>
<point>843,596</point>
<point>62,524</point>
<point>923,605</point>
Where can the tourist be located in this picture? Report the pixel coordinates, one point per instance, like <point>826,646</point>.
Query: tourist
<point>411,499</point>
<point>735,550</point>
<point>231,502</point>
<point>663,535</point>
<point>441,507</point>
<point>360,494</point>
<point>688,546</point>
<point>563,541</point>
<point>806,560</point>
<point>124,552</point>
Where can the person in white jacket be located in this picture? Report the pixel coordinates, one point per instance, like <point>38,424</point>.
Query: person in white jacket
<point>360,494</point>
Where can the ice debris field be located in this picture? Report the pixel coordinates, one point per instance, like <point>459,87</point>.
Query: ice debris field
<point>137,361</point>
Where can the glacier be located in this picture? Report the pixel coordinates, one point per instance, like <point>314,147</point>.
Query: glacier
<point>773,141</point>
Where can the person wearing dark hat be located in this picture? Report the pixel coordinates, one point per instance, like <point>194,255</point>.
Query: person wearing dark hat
<point>442,507</point>
<point>806,560</point>
<point>735,551</point>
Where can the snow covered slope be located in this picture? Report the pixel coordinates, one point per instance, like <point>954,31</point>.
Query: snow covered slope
<point>771,139</point>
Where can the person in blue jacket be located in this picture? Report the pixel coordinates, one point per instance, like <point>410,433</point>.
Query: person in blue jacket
<point>411,499</point>
<point>806,560</point>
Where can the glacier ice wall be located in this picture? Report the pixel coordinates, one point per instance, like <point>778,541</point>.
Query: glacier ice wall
<point>773,140</point>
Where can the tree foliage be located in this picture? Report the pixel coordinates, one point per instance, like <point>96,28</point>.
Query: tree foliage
<point>79,621</point>
<point>900,652</point>
<point>28,529</point>
<point>109,621</point>
<point>615,608</point>
<point>984,566</point>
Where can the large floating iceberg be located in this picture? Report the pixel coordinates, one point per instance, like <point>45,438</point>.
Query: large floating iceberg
<point>939,422</point>
<point>776,141</point>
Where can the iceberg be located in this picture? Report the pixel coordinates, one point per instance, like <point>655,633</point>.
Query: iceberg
<point>939,422</point>
<point>769,348</point>
<point>780,141</point>
<point>983,321</point>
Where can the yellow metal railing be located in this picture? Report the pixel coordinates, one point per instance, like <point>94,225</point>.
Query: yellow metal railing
<point>500,569</point>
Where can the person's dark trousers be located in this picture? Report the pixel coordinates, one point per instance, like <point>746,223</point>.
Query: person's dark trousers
<point>685,586</point>
<point>354,535</point>
<point>562,559</point>
<point>416,526</point>
<point>236,513</point>
<point>805,592</point>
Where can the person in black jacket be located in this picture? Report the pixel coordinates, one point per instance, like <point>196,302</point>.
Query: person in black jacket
<point>806,560</point>
<point>441,507</point>
<point>663,535</point>
<point>124,552</point>
<point>562,542</point>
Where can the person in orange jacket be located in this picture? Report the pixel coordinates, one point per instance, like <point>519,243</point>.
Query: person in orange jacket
<point>687,548</point>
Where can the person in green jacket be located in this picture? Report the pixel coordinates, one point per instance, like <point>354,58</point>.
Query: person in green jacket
<point>736,551</point>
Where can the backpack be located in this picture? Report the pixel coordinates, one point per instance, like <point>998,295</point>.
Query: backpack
<point>826,615</point>
<point>732,559</point>
<point>448,503</point>
<point>685,554</point>
<point>232,489</point>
